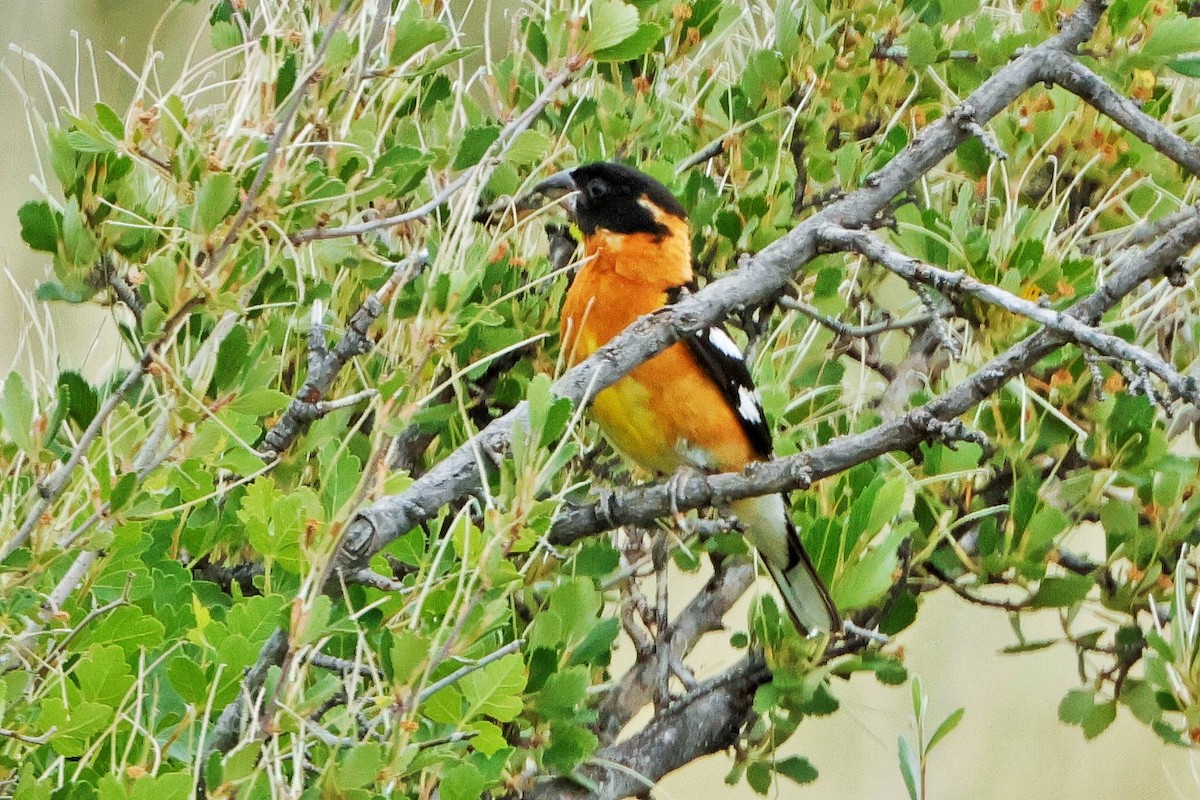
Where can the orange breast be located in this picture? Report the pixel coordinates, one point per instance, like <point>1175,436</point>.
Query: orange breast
<point>667,412</point>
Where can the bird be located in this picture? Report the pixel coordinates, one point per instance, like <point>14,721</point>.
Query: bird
<point>693,406</point>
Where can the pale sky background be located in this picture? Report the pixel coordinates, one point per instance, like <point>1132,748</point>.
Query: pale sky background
<point>1009,744</point>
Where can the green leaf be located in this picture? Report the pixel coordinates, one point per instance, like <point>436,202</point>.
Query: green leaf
<point>1122,11</point>
<point>39,225</point>
<point>260,402</point>
<point>1189,67</point>
<point>910,768</point>
<point>641,42</point>
<point>75,724</point>
<point>943,730</point>
<point>122,491</point>
<point>1173,37</point>
<point>488,738</point>
<point>413,32</point>
<point>758,775</point>
<point>84,142</point>
<point>110,123</point>
<point>530,147</point>
<point>161,786</point>
<point>83,402</point>
<point>448,57</point>
<point>188,678</point>
<point>16,410</point>
<point>285,81</point>
<point>79,245</point>
<point>127,627</point>
<point>463,781</point>
<point>475,142</point>
<point>1075,707</point>
<point>496,689</point>
<point>104,675</point>
<point>562,693</point>
<point>1098,720</point>
<point>224,35</point>
<point>214,199</point>
<point>1065,591</point>
<point>53,292</point>
<point>870,576</point>
<point>922,49</point>
<point>360,766</point>
<point>798,768</point>
<point>569,745</point>
<point>339,52</point>
<point>612,22</point>
<point>596,647</point>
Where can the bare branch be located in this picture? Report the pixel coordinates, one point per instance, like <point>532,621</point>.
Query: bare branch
<point>227,731</point>
<point>324,366</point>
<point>707,721</point>
<point>1078,79</point>
<point>854,331</point>
<point>498,148</point>
<point>1066,326</point>
<point>702,615</point>
<point>282,127</point>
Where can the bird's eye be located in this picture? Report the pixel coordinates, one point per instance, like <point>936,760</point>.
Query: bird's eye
<point>597,187</point>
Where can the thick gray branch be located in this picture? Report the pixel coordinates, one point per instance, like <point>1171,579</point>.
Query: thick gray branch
<point>701,616</point>
<point>1078,79</point>
<point>708,720</point>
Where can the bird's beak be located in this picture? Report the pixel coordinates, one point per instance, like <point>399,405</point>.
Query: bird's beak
<point>557,186</point>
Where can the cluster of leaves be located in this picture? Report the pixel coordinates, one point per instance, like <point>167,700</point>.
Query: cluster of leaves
<point>210,216</point>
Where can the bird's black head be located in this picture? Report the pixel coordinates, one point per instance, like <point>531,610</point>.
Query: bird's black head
<point>614,197</point>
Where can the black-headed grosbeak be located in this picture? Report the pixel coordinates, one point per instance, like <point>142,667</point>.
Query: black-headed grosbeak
<point>693,405</point>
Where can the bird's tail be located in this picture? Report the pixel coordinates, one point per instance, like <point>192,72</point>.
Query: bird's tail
<point>767,526</point>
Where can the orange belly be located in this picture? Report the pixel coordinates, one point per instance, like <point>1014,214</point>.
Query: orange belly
<point>667,412</point>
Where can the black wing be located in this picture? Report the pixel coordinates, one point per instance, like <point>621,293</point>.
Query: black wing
<point>720,357</point>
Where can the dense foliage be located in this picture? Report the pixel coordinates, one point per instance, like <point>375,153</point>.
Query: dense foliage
<point>312,319</point>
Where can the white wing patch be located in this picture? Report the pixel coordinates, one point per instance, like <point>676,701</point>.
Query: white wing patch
<point>748,404</point>
<point>727,346</point>
<point>722,360</point>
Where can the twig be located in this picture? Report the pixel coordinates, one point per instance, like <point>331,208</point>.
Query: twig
<point>344,666</point>
<point>964,117</point>
<point>459,673</point>
<point>27,739</point>
<point>124,292</point>
<point>282,126</point>
<point>499,147</point>
<point>1005,605</point>
<point>457,736</point>
<point>367,577</point>
<point>854,331</point>
<point>1064,325</point>
<point>325,365</point>
<point>53,487</point>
